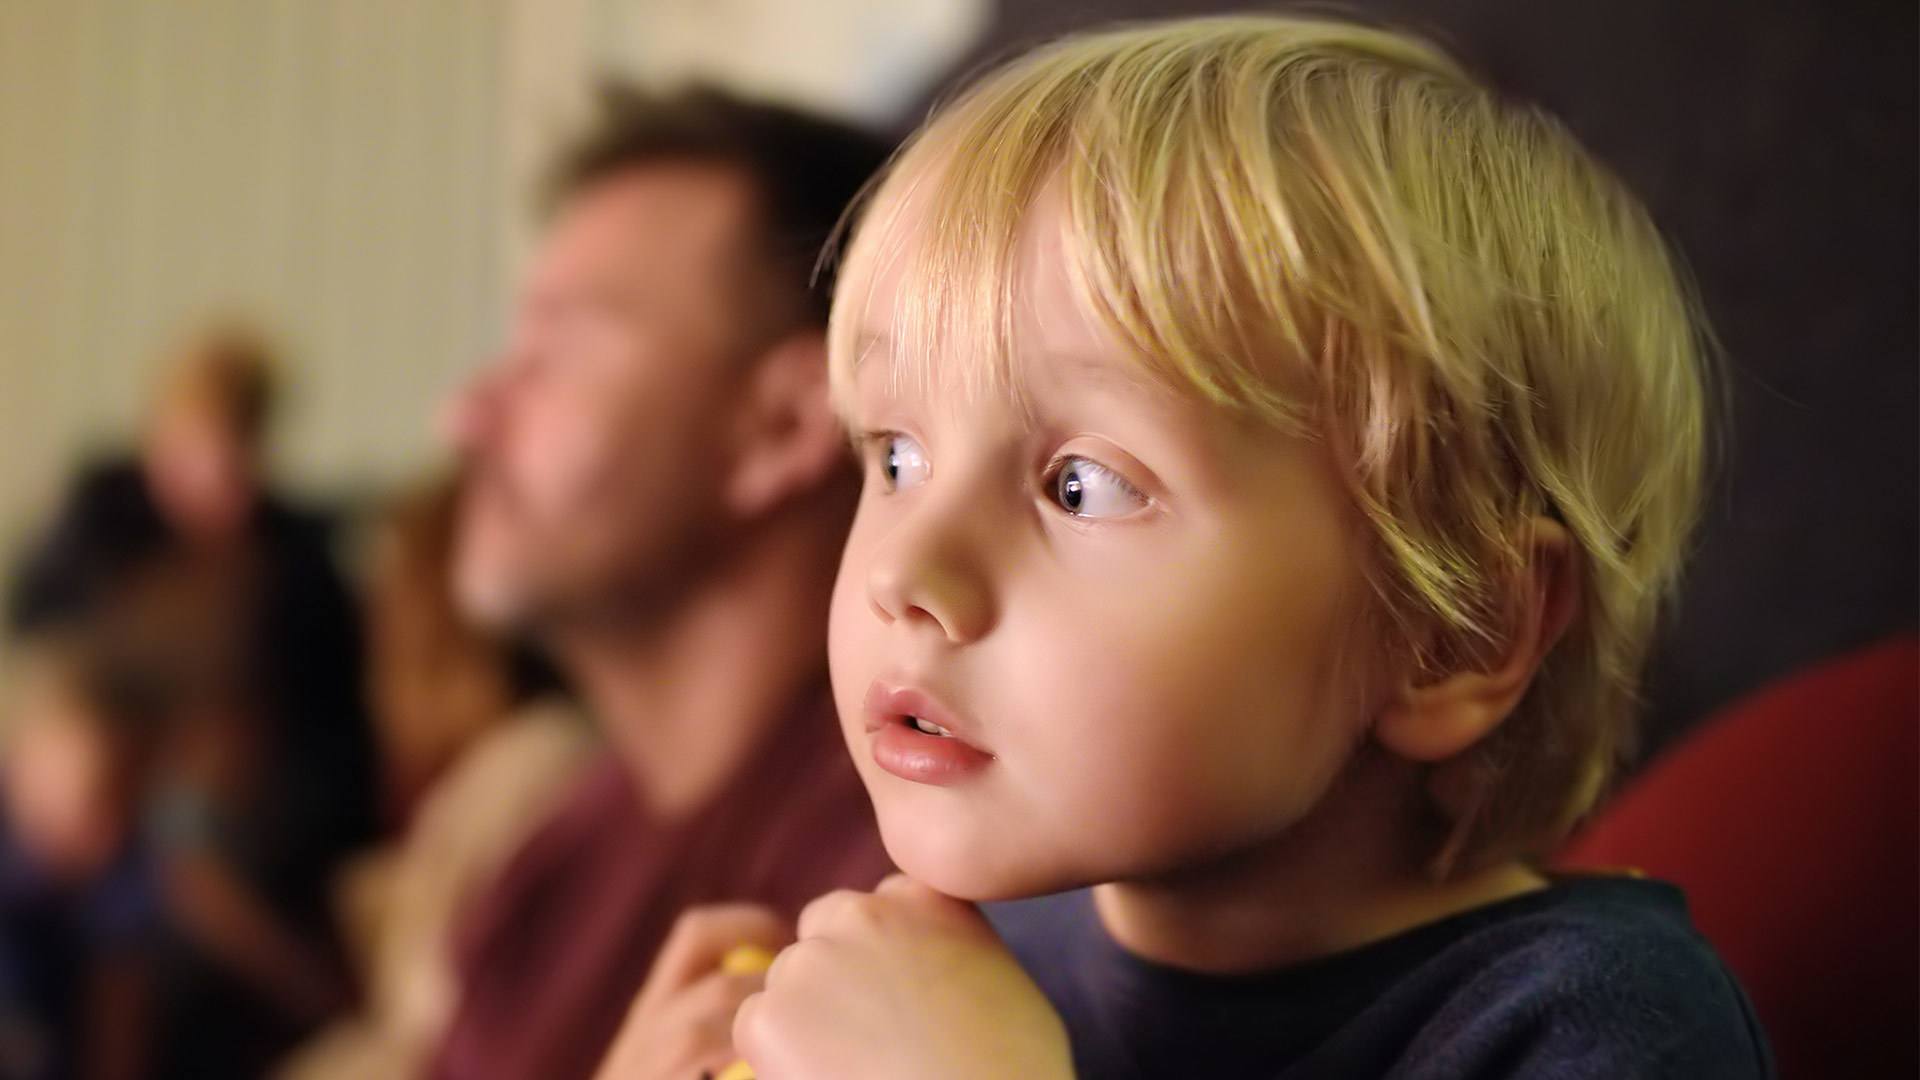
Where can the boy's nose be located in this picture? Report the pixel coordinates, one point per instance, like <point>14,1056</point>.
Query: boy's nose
<point>929,570</point>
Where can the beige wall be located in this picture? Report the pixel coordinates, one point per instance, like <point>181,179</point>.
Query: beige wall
<point>333,166</point>
<point>354,172</point>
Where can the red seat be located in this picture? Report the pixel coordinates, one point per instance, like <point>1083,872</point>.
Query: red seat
<point>1792,820</point>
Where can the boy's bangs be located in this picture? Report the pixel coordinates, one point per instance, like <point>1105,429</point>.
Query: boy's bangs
<point>1170,241</point>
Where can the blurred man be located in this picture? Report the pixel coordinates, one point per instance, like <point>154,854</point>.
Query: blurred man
<point>659,494</point>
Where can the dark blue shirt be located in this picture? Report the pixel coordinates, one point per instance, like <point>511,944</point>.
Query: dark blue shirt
<point>1590,977</point>
<point>52,938</point>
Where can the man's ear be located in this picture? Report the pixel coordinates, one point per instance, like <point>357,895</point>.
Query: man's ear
<point>787,440</point>
<point>1436,720</point>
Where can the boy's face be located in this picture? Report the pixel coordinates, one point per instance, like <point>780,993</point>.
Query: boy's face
<point>1130,608</point>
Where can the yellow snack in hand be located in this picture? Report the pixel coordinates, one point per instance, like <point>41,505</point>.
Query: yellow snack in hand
<point>743,960</point>
<point>746,960</point>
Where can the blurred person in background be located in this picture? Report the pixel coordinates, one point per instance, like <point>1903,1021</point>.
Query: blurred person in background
<point>80,910</point>
<point>476,747</point>
<point>436,682</point>
<point>658,495</point>
<point>264,776</point>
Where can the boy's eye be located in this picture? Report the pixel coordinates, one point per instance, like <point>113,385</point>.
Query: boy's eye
<point>1087,489</point>
<point>902,463</point>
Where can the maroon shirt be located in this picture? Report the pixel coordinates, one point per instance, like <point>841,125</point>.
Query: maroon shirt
<point>551,955</point>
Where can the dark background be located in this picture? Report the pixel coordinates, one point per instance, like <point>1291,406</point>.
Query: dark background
<point>1776,144</point>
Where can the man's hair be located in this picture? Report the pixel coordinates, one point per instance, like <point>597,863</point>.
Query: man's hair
<point>803,169</point>
<point>1333,228</point>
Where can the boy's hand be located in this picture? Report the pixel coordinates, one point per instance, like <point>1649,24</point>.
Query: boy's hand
<point>899,982</point>
<point>680,1026</point>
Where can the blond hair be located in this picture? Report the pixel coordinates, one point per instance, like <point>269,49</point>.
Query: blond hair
<point>1334,228</point>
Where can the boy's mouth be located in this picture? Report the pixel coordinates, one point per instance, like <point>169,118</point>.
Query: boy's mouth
<point>916,738</point>
<point>928,727</point>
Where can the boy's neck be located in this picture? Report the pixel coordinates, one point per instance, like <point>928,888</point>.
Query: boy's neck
<point>1349,875</point>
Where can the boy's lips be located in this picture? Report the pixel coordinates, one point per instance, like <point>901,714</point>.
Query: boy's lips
<point>916,738</point>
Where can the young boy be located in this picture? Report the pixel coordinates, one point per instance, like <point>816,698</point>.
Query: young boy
<point>1279,449</point>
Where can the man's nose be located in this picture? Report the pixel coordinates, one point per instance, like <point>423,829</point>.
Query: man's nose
<point>467,417</point>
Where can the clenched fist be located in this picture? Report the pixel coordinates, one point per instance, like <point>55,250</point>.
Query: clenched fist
<point>899,982</point>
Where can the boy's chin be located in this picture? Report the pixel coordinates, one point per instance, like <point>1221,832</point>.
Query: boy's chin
<point>948,864</point>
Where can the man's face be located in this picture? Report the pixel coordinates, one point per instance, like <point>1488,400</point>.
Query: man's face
<point>594,441</point>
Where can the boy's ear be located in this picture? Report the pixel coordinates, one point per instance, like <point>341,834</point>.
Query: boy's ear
<point>1433,721</point>
<point>787,440</point>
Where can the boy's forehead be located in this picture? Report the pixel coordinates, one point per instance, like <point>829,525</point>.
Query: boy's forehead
<point>885,252</point>
<point>1056,337</point>
<point>897,240</point>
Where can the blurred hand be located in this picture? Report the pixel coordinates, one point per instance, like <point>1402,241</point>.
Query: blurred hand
<point>215,906</point>
<point>902,981</point>
<point>681,1025</point>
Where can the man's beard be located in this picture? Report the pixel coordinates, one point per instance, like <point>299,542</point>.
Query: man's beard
<point>626,588</point>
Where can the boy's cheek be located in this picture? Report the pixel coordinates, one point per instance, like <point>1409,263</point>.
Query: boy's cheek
<point>851,637</point>
<point>852,626</point>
